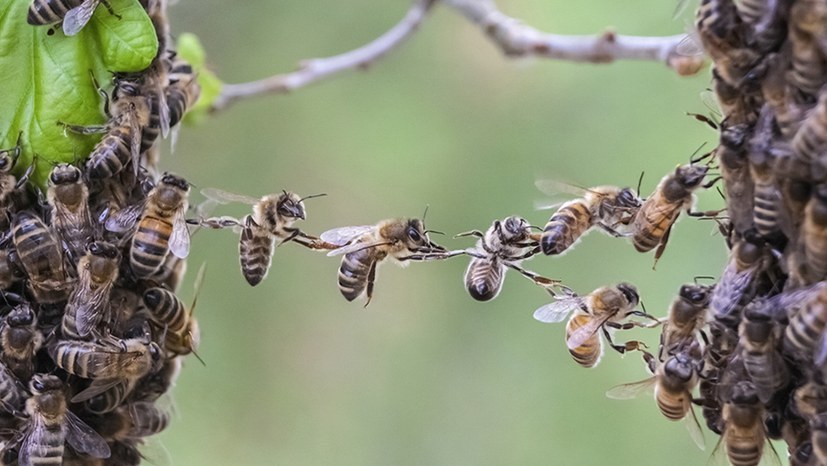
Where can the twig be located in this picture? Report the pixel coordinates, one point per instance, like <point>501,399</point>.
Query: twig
<point>317,69</point>
<point>516,39</point>
<point>513,37</point>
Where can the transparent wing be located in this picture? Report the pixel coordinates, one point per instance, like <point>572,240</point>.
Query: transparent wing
<point>225,197</point>
<point>163,110</point>
<point>557,311</point>
<point>344,235</point>
<point>579,336</point>
<point>32,446</point>
<point>179,241</point>
<point>77,17</point>
<point>83,438</point>
<point>357,246</point>
<point>556,187</point>
<point>632,390</point>
<point>95,388</point>
<point>732,285</point>
<point>124,219</point>
<point>92,307</point>
<point>694,428</point>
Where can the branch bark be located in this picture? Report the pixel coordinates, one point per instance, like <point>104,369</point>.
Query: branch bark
<point>514,38</point>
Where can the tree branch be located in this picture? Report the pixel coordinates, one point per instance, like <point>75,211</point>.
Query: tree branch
<point>516,39</point>
<point>317,69</point>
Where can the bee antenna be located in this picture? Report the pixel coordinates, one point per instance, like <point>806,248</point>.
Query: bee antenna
<point>194,353</point>
<point>312,196</point>
<point>640,182</point>
<point>692,158</point>
<point>199,278</point>
<point>425,214</point>
<point>434,231</point>
<point>535,227</point>
<point>703,277</point>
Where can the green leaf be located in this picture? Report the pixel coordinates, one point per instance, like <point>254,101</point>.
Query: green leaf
<point>190,49</point>
<point>47,78</point>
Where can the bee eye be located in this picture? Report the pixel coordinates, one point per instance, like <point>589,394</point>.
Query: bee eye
<point>414,235</point>
<point>38,385</point>
<point>154,351</point>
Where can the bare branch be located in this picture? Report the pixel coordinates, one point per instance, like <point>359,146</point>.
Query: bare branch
<point>317,69</point>
<point>516,39</point>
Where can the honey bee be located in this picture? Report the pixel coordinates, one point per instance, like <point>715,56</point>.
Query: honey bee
<point>811,137</point>
<point>814,233</point>
<point>88,304</point>
<point>504,244</point>
<point>738,185</point>
<point>121,144</point>
<point>674,194</point>
<point>687,315</point>
<point>744,434</point>
<point>110,360</point>
<point>40,256</point>
<point>181,331</point>
<point>109,399</point>
<point>69,198</point>
<point>806,33</point>
<point>673,381</point>
<point>745,260</point>
<point>183,90</point>
<point>604,309</point>
<point>365,247</point>
<point>758,339</point>
<point>776,92</point>
<point>20,340</point>
<point>722,35</point>
<point>8,183</point>
<point>762,163</point>
<point>136,420</point>
<point>802,340</point>
<point>51,424</point>
<point>74,13</point>
<point>161,227</point>
<point>12,393</point>
<point>607,207</point>
<point>270,225</point>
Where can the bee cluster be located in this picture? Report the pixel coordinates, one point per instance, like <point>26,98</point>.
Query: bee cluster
<point>92,335</point>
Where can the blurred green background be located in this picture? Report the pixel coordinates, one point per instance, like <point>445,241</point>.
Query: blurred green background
<point>425,375</point>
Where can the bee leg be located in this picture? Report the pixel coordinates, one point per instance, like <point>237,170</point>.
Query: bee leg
<point>371,278</point>
<point>662,246</point>
<point>109,8</point>
<point>476,233</point>
<point>611,230</point>
<point>627,346</point>
<point>312,242</point>
<point>705,213</point>
<point>536,278</point>
<point>25,176</point>
<point>80,129</point>
<point>650,360</point>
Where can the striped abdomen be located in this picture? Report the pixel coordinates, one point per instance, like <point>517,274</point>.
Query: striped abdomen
<point>484,278</point>
<point>745,448</point>
<point>673,406</point>
<point>255,251</point>
<point>147,420</point>
<point>166,309</point>
<point>811,137</point>
<point>571,221</point>
<point>46,447</point>
<point>42,12</point>
<point>151,131</point>
<point>353,273</point>
<point>766,370</point>
<point>150,245</point>
<point>111,154</point>
<point>588,354</point>
<point>109,400</point>
<point>814,235</point>
<point>766,206</point>
<point>12,393</point>
<point>653,220</point>
<point>805,329</point>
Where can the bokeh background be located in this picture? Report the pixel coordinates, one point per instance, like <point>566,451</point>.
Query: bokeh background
<point>425,375</point>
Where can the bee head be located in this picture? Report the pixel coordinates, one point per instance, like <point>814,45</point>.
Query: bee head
<point>690,176</point>
<point>20,316</point>
<point>104,249</point>
<point>290,205</point>
<point>679,367</point>
<point>513,228</point>
<point>629,292</point>
<point>176,181</point>
<point>694,294</point>
<point>64,174</point>
<point>744,393</point>
<point>6,163</point>
<point>43,383</point>
<point>628,198</point>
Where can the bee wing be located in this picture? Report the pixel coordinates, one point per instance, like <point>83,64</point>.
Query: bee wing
<point>579,336</point>
<point>729,290</point>
<point>77,17</point>
<point>95,388</point>
<point>83,438</point>
<point>344,235</point>
<point>91,308</point>
<point>556,311</point>
<point>163,109</point>
<point>694,428</point>
<point>628,391</point>
<point>124,219</point>
<point>557,187</point>
<point>358,246</point>
<point>225,197</point>
<point>28,449</point>
<point>179,241</point>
